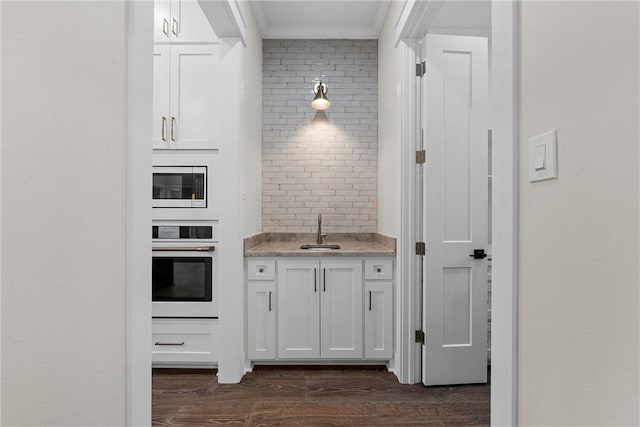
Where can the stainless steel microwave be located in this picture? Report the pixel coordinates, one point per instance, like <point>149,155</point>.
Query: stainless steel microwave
<point>185,186</point>
<point>180,186</point>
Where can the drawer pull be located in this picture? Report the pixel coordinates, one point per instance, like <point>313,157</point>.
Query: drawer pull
<point>169,343</point>
<point>183,249</point>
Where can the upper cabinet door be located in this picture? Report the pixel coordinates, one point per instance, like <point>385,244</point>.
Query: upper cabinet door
<point>162,21</point>
<point>181,21</point>
<point>194,108</point>
<point>161,108</point>
<point>191,24</point>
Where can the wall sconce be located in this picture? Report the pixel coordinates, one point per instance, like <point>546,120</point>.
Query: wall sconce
<point>320,102</point>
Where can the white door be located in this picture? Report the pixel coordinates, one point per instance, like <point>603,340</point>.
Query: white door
<point>194,114</point>
<point>341,309</point>
<point>455,105</point>
<point>298,309</point>
<point>262,320</point>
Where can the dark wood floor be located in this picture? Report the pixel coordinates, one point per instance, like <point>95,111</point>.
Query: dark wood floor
<point>318,396</point>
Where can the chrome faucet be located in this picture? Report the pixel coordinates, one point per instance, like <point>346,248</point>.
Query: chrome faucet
<point>320,235</point>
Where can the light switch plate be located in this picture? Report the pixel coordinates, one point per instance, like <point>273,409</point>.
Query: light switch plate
<point>543,159</point>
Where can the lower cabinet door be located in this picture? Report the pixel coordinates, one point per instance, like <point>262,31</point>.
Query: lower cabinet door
<point>184,341</point>
<point>298,309</point>
<point>262,320</point>
<point>378,322</point>
<point>341,309</point>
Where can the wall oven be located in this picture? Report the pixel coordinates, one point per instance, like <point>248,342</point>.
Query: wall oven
<point>185,186</point>
<point>184,273</point>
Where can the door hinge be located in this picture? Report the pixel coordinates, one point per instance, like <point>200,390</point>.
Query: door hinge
<point>420,337</point>
<point>421,69</point>
<point>421,156</point>
<point>421,249</point>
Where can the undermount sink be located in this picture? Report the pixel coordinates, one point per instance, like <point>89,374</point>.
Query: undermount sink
<point>320,247</point>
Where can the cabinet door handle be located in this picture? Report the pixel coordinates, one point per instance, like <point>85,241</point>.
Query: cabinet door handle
<point>165,27</point>
<point>169,343</point>
<point>173,129</point>
<point>315,280</point>
<point>174,26</point>
<point>269,300</point>
<point>324,280</point>
<point>369,300</point>
<point>163,128</point>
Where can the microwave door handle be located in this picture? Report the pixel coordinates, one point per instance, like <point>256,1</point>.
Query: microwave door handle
<point>183,249</point>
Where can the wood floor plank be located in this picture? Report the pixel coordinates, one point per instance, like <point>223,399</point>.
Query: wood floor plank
<point>362,414</point>
<point>307,396</point>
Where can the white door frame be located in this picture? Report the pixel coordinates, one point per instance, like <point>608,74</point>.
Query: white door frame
<point>505,61</point>
<point>139,112</point>
<point>412,25</point>
<point>505,28</point>
<point>138,184</point>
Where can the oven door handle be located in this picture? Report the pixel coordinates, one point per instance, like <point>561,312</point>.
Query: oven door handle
<point>185,249</point>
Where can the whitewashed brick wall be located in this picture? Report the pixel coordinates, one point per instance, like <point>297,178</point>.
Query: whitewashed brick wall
<point>314,162</point>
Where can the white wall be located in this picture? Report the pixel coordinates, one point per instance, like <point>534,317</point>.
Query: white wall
<point>63,219</point>
<point>389,66</point>
<point>579,293</point>
<point>252,125</point>
<point>320,162</point>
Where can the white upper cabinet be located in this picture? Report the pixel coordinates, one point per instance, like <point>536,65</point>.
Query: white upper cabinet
<point>185,109</point>
<point>161,106</point>
<point>181,21</point>
<point>193,103</point>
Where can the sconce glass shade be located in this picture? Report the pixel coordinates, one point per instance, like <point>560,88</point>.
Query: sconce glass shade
<point>320,102</point>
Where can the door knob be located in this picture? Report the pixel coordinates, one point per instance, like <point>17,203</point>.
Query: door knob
<point>478,254</point>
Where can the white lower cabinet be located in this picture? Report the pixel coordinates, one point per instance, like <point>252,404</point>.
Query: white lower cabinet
<point>378,324</point>
<point>298,309</point>
<point>341,309</point>
<point>262,315</point>
<point>318,309</point>
<point>184,341</point>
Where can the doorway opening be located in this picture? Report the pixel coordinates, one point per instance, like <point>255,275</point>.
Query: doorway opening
<point>504,245</point>
<point>415,25</point>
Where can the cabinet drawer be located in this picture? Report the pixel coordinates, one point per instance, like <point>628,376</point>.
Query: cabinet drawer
<point>261,269</point>
<point>185,340</point>
<point>378,269</point>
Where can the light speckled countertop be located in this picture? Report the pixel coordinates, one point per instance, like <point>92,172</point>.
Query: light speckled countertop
<point>288,244</point>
